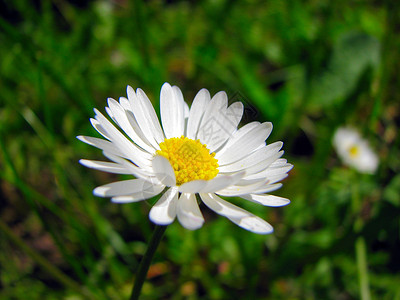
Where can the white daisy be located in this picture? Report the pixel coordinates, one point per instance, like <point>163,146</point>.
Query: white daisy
<point>196,151</point>
<point>354,151</point>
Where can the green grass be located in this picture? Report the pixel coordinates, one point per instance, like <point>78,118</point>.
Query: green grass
<point>309,67</point>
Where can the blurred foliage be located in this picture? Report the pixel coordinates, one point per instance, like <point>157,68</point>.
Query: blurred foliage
<point>307,66</point>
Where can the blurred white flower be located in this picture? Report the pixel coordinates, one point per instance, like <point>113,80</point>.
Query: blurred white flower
<point>354,151</point>
<point>198,151</point>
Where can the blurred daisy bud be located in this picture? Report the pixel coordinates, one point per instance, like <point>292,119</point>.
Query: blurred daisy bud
<point>354,151</point>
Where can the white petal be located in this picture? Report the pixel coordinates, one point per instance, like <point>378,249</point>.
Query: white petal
<point>274,147</point>
<point>262,165</point>
<point>101,144</point>
<point>124,187</point>
<point>149,192</point>
<point>233,116</point>
<point>237,135</point>
<point>237,190</point>
<point>193,186</point>
<point>140,117</point>
<point>235,112</point>
<point>110,113</point>
<point>121,117</point>
<point>125,103</point>
<point>246,144</point>
<point>188,212</point>
<point>267,188</point>
<point>212,130</point>
<point>277,178</point>
<point>272,187</point>
<point>236,214</point>
<point>228,121</point>
<point>129,149</point>
<point>221,182</point>
<point>253,158</point>
<point>96,125</point>
<point>172,114</point>
<point>196,112</point>
<point>265,155</point>
<point>267,200</point>
<point>132,121</point>
<point>367,161</point>
<point>280,163</point>
<point>150,113</point>
<point>163,170</point>
<point>270,179</point>
<point>271,172</point>
<point>179,94</point>
<point>105,166</point>
<point>145,116</point>
<point>220,100</point>
<point>164,211</point>
<point>244,181</point>
<point>143,173</point>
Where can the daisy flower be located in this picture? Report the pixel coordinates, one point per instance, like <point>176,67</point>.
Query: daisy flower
<point>197,151</point>
<point>354,151</point>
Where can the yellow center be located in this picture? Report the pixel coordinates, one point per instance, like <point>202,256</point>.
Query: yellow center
<point>353,151</point>
<point>190,159</point>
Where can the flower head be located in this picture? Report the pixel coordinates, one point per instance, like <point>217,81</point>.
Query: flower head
<point>196,151</point>
<point>354,151</point>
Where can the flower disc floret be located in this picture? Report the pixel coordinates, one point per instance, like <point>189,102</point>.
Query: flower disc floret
<point>354,151</point>
<point>190,159</point>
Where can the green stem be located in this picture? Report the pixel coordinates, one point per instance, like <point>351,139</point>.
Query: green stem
<point>360,246</point>
<point>361,256</point>
<point>146,260</point>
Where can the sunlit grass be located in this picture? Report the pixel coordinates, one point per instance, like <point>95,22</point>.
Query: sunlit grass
<point>307,67</point>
